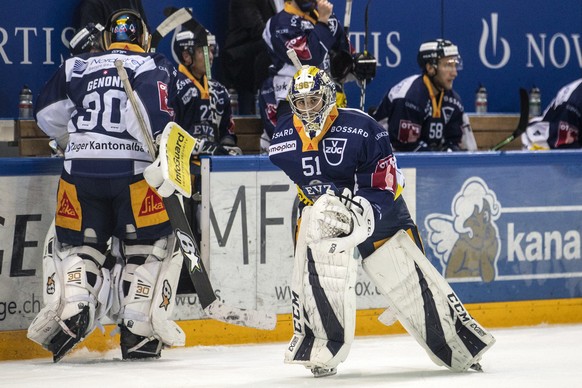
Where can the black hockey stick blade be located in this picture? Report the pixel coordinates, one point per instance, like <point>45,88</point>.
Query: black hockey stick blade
<point>199,276</point>
<point>521,125</point>
<point>175,18</point>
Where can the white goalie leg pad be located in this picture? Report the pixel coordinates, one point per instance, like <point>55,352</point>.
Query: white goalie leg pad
<point>147,307</point>
<point>426,305</point>
<point>324,303</point>
<point>73,281</point>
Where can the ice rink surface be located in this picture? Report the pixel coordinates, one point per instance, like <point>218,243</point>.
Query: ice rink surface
<point>542,356</point>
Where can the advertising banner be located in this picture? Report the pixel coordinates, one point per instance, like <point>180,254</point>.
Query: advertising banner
<point>496,226</point>
<point>500,227</point>
<point>505,45</point>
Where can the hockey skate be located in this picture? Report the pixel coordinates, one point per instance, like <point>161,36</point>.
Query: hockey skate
<point>323,372</point>
<point>134,347</point>
<point>73,332</point>
<point>476,367</point>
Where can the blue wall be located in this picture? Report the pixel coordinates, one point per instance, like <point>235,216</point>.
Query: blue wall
<point>504,44</point>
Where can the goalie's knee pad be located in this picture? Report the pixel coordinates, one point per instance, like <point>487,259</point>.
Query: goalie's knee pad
<point>323,303</point>
<point>426,305</point>
<point>147,291</point>
<point>75,296</point>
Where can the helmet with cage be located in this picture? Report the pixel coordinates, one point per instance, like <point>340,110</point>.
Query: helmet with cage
<point>126,26</point>
<point>431,51</point>
<point>312,97</point>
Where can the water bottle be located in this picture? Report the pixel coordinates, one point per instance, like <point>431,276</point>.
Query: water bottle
<point>25,104</point>
<point>481,100</point>
<point>535,101</point>
<point>233,101</point>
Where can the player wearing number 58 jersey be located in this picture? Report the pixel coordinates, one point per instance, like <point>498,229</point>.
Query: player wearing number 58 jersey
<point>423,112</point>
<point>349,187</point>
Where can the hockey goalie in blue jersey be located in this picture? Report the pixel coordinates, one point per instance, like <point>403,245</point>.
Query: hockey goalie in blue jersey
<point>351,205</point>
<point>102,195</point>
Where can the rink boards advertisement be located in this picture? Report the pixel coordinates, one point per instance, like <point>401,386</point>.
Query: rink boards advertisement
<point>498,227</point>
<point>501,227</point>
<point>504,45</point>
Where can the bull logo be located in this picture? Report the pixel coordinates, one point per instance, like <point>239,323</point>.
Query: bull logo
<point>467,241</point>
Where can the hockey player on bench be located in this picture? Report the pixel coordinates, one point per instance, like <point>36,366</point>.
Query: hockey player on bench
<point>330,153</point>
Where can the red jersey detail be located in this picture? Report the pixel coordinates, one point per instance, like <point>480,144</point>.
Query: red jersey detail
<point>300,46</point>
<point>384,176</point>
<point>163,97</point>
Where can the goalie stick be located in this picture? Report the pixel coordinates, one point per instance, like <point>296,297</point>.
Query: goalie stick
<point>364,82</point>
<point>294,59</point>
<point>348,17</point>
<point>190,252</point>
<point>521,125</point>
<point>175,18</point>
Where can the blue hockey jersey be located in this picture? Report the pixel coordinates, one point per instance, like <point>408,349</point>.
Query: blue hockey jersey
<point>312,41</point>
<point>560,125</point>
<point>85,98</point>
<point>205,110</point>
<point>418,122</point>
<point>352,151</point>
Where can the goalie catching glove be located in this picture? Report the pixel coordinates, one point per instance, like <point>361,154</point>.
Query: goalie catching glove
<point>343,222</point>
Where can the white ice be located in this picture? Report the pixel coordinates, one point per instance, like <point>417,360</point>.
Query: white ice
<point>542,356</point>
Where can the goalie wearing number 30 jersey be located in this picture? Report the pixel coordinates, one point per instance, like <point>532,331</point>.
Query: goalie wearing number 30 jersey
<point>331,153</point>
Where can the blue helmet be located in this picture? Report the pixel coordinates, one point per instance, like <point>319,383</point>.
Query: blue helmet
<point>126,26</point>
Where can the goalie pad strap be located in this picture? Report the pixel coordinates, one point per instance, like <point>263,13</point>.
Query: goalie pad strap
<point>146,306</point>
<point>426,305</point>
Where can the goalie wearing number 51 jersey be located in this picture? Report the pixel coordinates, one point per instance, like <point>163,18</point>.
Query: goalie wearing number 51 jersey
<point>349,188</point>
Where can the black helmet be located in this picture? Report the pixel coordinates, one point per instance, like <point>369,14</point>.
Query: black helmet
<point>189,40</point>
<point>433,50</point>
<point>127,26</point>
<point>86,39</point>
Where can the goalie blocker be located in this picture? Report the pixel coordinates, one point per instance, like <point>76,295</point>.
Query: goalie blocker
<point>426,305</point>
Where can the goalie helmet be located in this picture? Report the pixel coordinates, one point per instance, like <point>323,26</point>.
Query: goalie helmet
<point>189,40</point>
<point>312,97</point>
<point>127,26</point>
<point>433,50</point>
<point>87,39</point>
